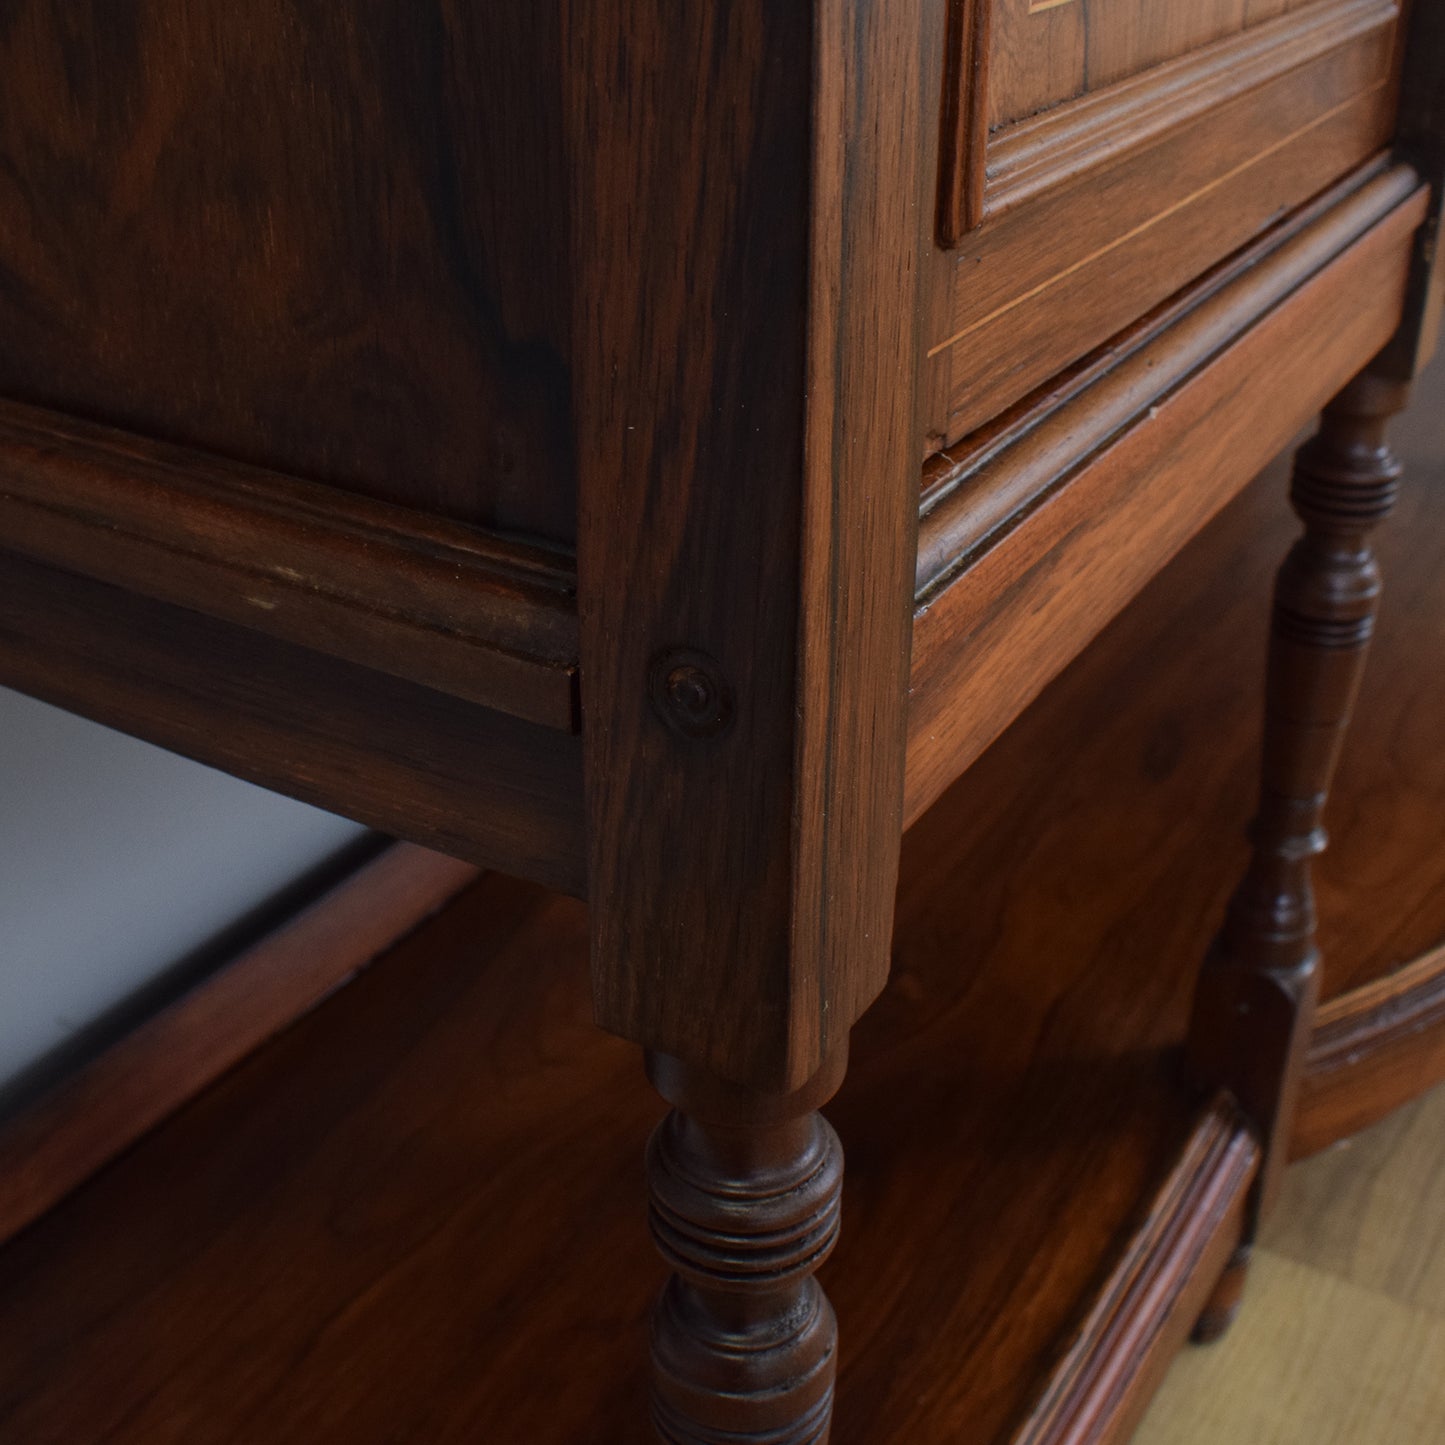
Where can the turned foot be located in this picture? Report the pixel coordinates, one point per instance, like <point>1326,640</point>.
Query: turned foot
<point>745,1191</point>
<point>1219,1313</point>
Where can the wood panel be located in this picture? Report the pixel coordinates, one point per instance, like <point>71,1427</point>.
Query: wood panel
<point>328,240</point>
<point>1091,45</point>
<point>1420,139</point>
<point>52,1144</point>
<point>402,758</point>
<point>1058,148</point>
<point>1049,52</point>
<point>436,602</point>
<point>744,690</point>
<point>1091,214</point>
<point>1002,618</point>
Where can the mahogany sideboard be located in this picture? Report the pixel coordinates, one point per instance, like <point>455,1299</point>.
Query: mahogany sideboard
<point>654,448</point>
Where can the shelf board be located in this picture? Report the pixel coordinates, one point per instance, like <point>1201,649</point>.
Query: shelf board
<point>418,1214</point>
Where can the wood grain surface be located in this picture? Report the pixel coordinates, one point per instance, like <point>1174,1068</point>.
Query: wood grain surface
<point>1092,213</point>
<point>1030,595</point>
<point>402,758</point>
<point>328,241</point>
<point>486,618</point>
<point>441,1164</point>
<point>60,1139</point>
<point>744,690</point>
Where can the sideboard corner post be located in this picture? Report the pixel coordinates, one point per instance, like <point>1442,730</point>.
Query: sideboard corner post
<point>1255,1003</point>
<point>743,293</point>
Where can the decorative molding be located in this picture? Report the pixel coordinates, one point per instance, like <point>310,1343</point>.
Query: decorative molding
<point>1066,143</point>
<point>976,491</point>
<point>85,1121</point>
<point>963,142</point>
<point>479,617</point>
<point>1067,516</point>
<point>1149,1302</point>
<point>1374,1049</point>
<point>983,174</point>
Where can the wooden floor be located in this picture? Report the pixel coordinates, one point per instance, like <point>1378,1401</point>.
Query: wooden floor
<point>417,1216</point>
<point>1343,1338</point>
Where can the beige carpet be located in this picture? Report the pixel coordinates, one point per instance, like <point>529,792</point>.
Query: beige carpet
<point>1342,1338</point>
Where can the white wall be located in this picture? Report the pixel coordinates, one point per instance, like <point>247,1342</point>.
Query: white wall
<point>118,862</point>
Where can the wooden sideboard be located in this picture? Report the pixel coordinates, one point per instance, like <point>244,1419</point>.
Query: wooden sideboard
<point>655,449</point>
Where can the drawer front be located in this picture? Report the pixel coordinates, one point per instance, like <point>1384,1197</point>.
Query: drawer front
<point>1098,154</point>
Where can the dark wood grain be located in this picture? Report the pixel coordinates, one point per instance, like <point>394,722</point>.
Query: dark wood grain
<point>484,618</point>
<point>57,1141</point>
<point>1103,216</point>
<point>744,693</point>
<point>328,241</point>
<point>1025,594</point>
<point>1254,1012</point>
<point>404,759</point>
<point>1098,838</point>
<point>415,1215</point>
<point>746,1198</point>
<point>963,147</point>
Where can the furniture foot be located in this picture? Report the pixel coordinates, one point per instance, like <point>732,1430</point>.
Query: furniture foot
<point>1255,1003</point>
<point>1223,1306</point>
<point>745,1196</point>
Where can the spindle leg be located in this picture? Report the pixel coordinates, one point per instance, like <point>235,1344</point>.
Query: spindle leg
<point>745,1194</point>
<point>1255,1004</point>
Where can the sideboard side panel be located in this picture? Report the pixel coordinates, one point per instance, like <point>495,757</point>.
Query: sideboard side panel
<point>330,240</point>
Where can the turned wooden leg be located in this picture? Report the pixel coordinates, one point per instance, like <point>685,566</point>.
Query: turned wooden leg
<point>745,1190</point>
<point>1255,1004</point>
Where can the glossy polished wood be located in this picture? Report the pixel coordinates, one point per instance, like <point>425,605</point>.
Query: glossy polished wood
<point>1098,837</point>
<point>763,630</point>
<point>439,1166</point>
<point>746,1201</point>
<point>51,1145</point>
<point>1254,1012</point>
<point>1025,553</point>
<point>657,283</point>
<point>1069,225</point>
<point>488,619</point>
<point>329,242</point>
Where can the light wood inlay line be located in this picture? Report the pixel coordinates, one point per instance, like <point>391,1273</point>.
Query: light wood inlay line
<point>1179,205</point>
<point>1037,5</point>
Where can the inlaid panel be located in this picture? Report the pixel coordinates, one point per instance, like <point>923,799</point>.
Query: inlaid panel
<point>1047,51</point>
<point>1097,155</point>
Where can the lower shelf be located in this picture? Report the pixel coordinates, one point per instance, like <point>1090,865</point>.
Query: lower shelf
<point>417,1215</point>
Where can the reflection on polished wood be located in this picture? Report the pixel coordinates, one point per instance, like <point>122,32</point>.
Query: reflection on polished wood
<point>330,1237</point>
